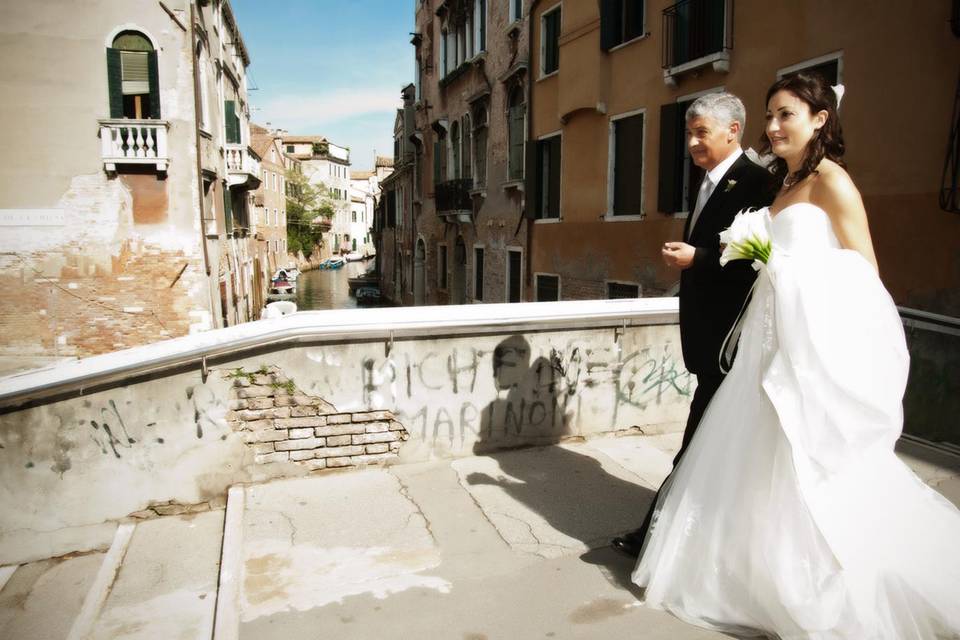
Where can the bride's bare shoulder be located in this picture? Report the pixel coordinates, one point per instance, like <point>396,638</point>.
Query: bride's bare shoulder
<point>833,189</point>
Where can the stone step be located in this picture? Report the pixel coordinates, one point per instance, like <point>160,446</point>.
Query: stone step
<point>166,586</point>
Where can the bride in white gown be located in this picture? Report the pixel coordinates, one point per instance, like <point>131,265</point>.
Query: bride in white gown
<point>789,515</point>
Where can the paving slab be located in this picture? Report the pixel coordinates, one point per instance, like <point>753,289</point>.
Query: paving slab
<point>167,585</point>
<point>42,599</point>
<point>554,501</point>
<point>313,541</point>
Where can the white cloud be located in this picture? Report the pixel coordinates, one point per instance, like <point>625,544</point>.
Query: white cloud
<point>298,112</point>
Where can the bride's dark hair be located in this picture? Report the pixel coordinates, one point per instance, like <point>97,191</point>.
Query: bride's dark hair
<point>827,142</point>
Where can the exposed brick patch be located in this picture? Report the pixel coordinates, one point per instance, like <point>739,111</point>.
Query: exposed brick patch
<point>282,424</point>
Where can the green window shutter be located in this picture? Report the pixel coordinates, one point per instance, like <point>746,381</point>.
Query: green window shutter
<point>154,72</point>
<point>554,196</point>
<point>114,83</point>
<point>227,210</point>
<point>230,121</point>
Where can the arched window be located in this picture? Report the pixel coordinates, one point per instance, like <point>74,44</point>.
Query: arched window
<point>515,116</point>
<point>133,77</point>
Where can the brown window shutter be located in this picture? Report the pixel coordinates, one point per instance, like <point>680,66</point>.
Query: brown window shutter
<point>154,72</point>
<point>670,183</point>
<point>532,181</point>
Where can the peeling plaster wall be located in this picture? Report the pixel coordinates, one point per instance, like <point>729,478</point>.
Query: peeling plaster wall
<point>97,262</point>
<point>71,465</point>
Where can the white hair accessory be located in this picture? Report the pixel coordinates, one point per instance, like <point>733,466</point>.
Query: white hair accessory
<point>838,90</point>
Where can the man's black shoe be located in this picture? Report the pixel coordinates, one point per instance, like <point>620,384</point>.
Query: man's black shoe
<point>627,544</point>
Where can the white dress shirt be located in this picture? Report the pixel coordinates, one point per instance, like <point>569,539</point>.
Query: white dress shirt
<point>710,181</point>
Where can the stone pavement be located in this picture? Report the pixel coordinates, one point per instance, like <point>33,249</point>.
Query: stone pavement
<point>507,545</point>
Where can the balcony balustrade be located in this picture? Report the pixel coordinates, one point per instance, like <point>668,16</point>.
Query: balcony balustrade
<point>696,33</point>
<point>453,196</point>
<point>243,165</point>
<point>129,141</point>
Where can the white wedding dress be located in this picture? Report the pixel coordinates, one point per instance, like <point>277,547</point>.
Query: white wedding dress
<point>789,515</point>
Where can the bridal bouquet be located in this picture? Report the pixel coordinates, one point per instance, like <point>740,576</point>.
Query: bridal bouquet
<point>747,238</point>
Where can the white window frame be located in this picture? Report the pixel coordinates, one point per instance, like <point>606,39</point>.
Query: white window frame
<point>480,19</point>
<point>506,270</point>
<point>513,14</point>
<point>814,62</point>
<point>559,217</point>
<point>536,289</point>
<point>543,48</point>
<point>611,167</point>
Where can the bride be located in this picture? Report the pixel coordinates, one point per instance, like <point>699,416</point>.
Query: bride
<point>790,516</point>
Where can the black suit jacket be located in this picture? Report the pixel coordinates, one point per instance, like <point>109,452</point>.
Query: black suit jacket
<point>710,295</point>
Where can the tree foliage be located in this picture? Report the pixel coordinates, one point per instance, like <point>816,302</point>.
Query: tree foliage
<point>307,206</point>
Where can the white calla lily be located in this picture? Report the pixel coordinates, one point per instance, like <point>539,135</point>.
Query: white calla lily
<point>748,238</point>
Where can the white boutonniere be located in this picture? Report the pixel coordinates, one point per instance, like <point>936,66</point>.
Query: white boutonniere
<point>730,185</point>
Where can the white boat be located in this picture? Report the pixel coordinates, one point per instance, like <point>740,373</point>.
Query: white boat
<point>354,256</point>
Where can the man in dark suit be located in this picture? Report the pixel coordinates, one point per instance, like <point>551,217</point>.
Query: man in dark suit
<point>711,296</point>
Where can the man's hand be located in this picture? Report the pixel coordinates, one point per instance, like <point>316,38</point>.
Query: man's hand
<point>678,254</point>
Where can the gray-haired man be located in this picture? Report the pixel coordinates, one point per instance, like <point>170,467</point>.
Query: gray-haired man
<point>710,296</point>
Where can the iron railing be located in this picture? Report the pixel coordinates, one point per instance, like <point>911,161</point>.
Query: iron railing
<point>454,195</point>
<point>694,29</point>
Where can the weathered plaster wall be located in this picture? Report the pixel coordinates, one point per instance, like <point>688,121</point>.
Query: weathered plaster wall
<point>68,466</point>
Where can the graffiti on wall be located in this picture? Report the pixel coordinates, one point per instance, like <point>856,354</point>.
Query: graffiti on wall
<point>435,394</point>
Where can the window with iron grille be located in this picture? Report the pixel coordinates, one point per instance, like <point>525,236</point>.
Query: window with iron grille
<point>478,273</point>
<point>622,290</point>
<point>514,275</point>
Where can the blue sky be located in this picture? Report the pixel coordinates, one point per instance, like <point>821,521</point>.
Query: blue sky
<point>330,68</point>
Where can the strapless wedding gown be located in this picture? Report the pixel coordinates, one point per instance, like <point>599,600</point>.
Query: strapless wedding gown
<point>789,515</point>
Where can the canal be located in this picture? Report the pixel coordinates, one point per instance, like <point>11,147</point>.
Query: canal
<point>328,289</point>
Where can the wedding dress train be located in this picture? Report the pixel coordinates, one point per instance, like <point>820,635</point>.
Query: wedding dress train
<point>790,515</point>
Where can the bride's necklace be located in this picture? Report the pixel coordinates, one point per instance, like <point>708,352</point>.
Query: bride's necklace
<point>789,181</point>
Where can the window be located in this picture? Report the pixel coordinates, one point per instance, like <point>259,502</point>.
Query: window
<point>829,66</point>
<point>480,25</point>
<point>480,143</point>
<point>516,10</point>
<point>543,178</point>
<point>548,287</point>
<point>478,273</point>
<point>514,275</point>
<point>455,151</point>
<point>444,64</point>
<point>353,216</point>
<point>276,218</point>
<point>133,77</point>
<point>516,116</point>
<point>465,143</point>
<point>290,148</point>
<point>204,92</point>
<point>231,120</point>
<point>442,266</point>
<point>550,41</point>
<point>694,30</point>
<point>625,183</point>
<point>622,290</point>
<point>620,21</point>
<point>679,177</point>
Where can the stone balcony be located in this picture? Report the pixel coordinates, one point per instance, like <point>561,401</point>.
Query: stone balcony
<point>243,166</point>
<point>127,142</point>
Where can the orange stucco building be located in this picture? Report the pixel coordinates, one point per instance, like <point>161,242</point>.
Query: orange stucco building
<point>606,178</point>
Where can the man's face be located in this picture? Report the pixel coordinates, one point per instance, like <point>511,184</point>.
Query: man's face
<point>709,141</point>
